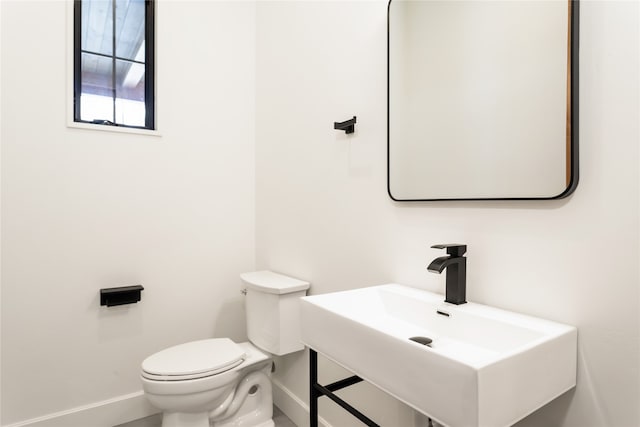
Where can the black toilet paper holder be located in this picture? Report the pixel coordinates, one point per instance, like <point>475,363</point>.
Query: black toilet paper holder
<point>120,295</point>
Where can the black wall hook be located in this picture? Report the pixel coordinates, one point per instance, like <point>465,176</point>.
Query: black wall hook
<point>348,127</point>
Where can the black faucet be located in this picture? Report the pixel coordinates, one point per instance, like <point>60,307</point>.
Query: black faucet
<point>456,266</point>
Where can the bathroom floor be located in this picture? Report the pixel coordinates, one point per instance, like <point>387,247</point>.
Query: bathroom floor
<point>280,420</point>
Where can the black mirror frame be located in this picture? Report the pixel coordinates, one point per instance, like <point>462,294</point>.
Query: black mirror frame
<point>573,154</point>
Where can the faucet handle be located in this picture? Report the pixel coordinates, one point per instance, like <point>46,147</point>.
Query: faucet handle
<point>453,249</point>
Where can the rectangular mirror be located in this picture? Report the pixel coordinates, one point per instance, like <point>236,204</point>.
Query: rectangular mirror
<point>482,99</point>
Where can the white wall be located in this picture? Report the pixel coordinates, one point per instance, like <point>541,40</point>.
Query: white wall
<point>323,213</point>
<point>82,210</point>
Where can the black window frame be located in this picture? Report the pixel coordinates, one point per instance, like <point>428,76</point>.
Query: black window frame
<point>149,67</point>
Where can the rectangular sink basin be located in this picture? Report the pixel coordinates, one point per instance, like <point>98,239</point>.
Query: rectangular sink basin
<point>483,367</point>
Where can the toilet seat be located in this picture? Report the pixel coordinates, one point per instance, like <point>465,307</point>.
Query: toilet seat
<point>193,360</point>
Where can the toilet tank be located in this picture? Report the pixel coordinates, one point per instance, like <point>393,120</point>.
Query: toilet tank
<point>273,311</point>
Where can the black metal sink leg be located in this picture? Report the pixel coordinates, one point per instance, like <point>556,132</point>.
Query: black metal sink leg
<point>316,391</point>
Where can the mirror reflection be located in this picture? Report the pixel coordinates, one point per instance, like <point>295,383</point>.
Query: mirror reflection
<point>480,99</point>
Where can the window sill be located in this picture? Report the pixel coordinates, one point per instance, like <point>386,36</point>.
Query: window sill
<point>117,129</point>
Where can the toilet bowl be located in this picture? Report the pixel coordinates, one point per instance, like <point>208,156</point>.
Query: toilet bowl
<point>219,383</point>
<point>192,392</point>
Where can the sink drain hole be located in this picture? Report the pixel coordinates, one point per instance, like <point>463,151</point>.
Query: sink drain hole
<point>422,340</point>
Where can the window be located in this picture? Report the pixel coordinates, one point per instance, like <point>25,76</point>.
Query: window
<point>114,62</point>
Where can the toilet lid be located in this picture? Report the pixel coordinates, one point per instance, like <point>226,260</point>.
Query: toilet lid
<point>194,359</point>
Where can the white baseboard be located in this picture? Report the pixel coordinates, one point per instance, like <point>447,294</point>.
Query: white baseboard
<point>292,406</point>
<point>129,407</point>
<point>108,413</point>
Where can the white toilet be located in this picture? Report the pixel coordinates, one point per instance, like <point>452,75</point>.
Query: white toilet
<point>216,382</point>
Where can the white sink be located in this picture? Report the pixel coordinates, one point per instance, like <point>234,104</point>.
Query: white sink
<point>484,367</point>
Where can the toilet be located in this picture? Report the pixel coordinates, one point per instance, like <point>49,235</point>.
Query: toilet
<point>219,383</point>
